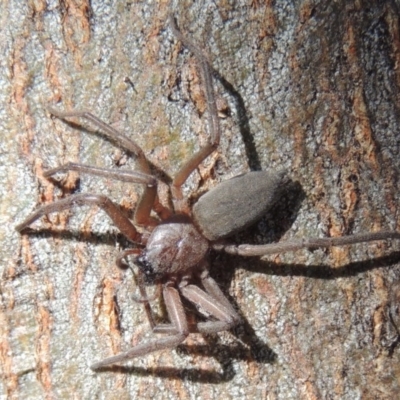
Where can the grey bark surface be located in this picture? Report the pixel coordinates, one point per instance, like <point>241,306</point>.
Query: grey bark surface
<point>307,86</point>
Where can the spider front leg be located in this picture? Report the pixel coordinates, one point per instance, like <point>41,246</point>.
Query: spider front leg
<point>148,197</point>
<point>213,120</point>
<point>145,203</point>
<point>120,220</point>
<point>180,331</point>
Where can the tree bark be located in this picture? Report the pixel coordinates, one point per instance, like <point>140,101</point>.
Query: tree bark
<point>307,86</point>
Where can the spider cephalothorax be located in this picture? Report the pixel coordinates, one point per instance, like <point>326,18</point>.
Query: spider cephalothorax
<point>175,246</point>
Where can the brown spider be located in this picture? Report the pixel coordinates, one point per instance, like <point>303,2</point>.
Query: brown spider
<point>172,253</point>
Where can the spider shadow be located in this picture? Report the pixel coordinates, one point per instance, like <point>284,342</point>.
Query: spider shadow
<point>74,236</point>
<point>319,271</point>
<point>243,122</point>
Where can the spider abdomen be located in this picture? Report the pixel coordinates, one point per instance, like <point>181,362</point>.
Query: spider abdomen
<point>237,203</point>
<point>174,246</point>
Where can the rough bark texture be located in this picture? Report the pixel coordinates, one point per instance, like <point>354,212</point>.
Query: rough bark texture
<point>311,86</point>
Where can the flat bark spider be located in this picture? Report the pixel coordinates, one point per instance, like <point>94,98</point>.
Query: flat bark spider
<point>173,252</point>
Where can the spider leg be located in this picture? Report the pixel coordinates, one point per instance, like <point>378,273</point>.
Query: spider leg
<point>177,316</point>
<point>142,213</point>
<point>148,198</point>
<point>213,302</point>
<point>212,288</point>
<point>121,175</point>
<point>208,304</point>
<point>218,298</point>
<point>108,131</point>
<point>213,120</point>
<point>120,220</point>
<point>311,243</point>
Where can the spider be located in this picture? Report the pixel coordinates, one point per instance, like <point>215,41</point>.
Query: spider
<point>172,251</point>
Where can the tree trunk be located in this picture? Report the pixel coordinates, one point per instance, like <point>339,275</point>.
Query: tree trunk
<point>311,87</point>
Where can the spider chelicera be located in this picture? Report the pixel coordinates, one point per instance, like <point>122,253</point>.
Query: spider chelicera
<point>172,252</point>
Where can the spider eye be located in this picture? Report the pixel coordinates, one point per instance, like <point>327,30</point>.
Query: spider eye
<point>150,276</point>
